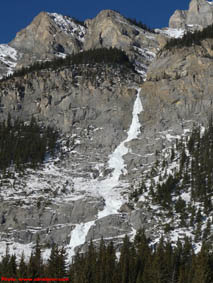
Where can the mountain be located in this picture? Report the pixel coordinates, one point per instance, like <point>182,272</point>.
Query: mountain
<point>54,35</point>
<point>131,112</point>
<point>47,36</point>
<point>199,15</point>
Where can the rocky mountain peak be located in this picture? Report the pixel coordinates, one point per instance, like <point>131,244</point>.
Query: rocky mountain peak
<point>48,35</point>
<point>39,31</point>
<point>108,29</point>
<point>198,16</point>
<point>53,35</point>
<point>111,29</point>
<point>106,14</point>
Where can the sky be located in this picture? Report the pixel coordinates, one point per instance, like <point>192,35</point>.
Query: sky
<point>17,14</point>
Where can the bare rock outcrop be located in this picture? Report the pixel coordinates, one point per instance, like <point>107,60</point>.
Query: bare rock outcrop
<point>47,36</point>
<point>179,86</point>
<point>110,29</point>
<point>52,35</point>
<point>199,15</point>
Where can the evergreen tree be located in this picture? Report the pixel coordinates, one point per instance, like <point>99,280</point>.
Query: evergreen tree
<point>22,268</point>
<point>35,266</point>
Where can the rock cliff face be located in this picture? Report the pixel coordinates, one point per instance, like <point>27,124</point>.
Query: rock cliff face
<point>199,15</point>
<point>110,29</point>
<point>180,81</point>
<point>48,35</point>
<point>90,105</point>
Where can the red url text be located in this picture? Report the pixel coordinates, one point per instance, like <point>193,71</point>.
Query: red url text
<point>35,279</point>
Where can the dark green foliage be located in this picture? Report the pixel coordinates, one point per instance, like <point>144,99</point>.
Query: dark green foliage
<point>35,266</point>
<point>25,145</point>
<point>201,151</point>
<point>138,263</point>
<point>140,25</point>
<point>22,268</point>
<point>56,266</point>
<point>180,185</point>
<point>111,56</point>
<point>166,190</point>
<point>180,205</point>
<point>190,39</point>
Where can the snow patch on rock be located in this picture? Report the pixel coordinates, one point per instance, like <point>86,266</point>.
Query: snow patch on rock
<point>69,26</point>
<point>8,56</point>
<point>171,32</point>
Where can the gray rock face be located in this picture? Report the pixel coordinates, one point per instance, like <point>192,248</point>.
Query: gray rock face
<point>69,98</point>
<point>95,115</point>
<point>110,29</point>
<point>179,84</point>
<point>53,223</point>
<point>111,226</point>
<point>140,219</point>
<point>178,19</point>
<point>47,36</point>
<point>199,15</point>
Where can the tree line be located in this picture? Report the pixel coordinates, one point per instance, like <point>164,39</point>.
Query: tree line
<point>140,25</point>
<point>111,56</point>
<point>190,38</point>
<point>138,262</point>
<point>25,144</point>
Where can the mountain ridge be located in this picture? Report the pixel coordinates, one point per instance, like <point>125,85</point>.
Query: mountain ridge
<point>93,105</point>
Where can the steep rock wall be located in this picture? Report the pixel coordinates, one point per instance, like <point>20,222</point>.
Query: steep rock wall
<point>199,15</point>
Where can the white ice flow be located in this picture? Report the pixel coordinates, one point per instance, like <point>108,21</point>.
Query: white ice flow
<point>116,161</point>
<point>110,188</point>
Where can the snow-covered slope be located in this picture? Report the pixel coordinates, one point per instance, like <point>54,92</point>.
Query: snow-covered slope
<point>69,26</point>
<point>8,59</point>
<point>171,32</point>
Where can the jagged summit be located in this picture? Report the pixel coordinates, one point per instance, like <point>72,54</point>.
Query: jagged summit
<point>51,35</point>
<point>47,36</point>
<point>198,16</point>
<point>47,31</point>
<point>111,29</point>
